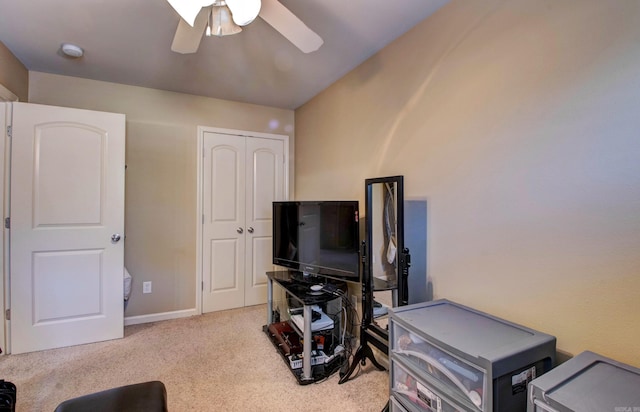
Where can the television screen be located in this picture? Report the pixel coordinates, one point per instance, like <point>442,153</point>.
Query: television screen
<point>317,237</point>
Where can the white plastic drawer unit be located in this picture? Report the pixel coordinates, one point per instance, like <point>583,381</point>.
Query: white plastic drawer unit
<point>588,382</point>
<point>484,362</point>
<point>415,394</point>
<point>395,406</point>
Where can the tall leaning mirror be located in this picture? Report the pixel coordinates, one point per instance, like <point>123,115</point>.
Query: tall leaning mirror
<point>385,265</point>
<point>385,260</point>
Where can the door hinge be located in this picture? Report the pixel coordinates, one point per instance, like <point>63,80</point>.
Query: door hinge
<point>7,223</point>
<point>202,284</point>
<point>7,314</point>
<point>10,131</point>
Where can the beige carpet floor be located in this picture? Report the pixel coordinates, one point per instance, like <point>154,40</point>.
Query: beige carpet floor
<point>215,362</point>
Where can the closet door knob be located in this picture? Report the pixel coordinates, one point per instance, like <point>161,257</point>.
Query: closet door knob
<point>115,238</point>
<point>239,230</point>
<point>250,230</point>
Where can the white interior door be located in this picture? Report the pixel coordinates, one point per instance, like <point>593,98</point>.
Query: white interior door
<point>223,232</point>
<point>265,183</point>
<point>67,201</point>
<point>242,176</point>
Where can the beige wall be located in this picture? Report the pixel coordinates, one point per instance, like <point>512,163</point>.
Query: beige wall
<point>518,122</point>
<point>160,204</point>
<point>13,75</point>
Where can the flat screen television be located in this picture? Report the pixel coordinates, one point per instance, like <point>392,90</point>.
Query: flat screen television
<point>317,238</point>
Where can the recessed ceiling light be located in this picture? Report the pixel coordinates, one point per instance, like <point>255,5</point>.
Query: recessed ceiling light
<point>72,50</point>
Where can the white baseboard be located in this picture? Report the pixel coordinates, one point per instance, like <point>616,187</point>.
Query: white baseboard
<point>155,317</point>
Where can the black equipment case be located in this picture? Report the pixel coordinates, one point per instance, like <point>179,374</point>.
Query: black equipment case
<point>7,396</point>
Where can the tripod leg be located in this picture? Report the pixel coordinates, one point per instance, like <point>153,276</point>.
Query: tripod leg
<point>368,353</point>
<point>361,355</point>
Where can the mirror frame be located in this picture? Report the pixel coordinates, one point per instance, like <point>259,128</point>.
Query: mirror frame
<point>371,333</point>
<point>399,288</point>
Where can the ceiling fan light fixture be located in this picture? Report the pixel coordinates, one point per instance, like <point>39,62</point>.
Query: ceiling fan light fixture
<point>220,21</point>
<point>244,12</point>
<point>187,9</point>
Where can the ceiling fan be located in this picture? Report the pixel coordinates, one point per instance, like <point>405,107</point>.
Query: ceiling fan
<point>222,17</point>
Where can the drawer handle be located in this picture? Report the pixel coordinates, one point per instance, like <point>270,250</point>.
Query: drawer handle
<point>473,396</point>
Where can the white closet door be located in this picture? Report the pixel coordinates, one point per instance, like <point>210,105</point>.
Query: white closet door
<point>265,183</point>
<point>67,201</point>
<point>242,177</point>
<point>223,232</point>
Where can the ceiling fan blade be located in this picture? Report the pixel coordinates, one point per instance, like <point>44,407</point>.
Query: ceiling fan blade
<point>290,26</point>
<point>187,38</point>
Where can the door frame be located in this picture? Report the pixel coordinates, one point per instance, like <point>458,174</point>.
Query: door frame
<point>199,190</point>
<point>6,97</point>
<point>5,117</point>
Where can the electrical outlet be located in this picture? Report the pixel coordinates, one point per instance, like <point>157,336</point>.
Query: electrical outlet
<point>146,287</point>
<point>354,301</point>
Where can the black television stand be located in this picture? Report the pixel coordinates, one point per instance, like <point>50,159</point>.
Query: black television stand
<point>293,341</point>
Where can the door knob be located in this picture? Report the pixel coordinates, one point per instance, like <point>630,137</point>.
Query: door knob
<point>115,238</point>
<point>250,230</point>
<point>239,230</point>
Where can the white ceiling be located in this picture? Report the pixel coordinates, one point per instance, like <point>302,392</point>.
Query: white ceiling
<point>128,41</point>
